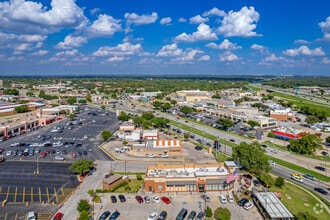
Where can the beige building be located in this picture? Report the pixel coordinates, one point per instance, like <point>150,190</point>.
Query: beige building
<point>193,95</point>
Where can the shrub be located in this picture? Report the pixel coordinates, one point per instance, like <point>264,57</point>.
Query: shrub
<point>279,182</point>
<point>208,212</point>
<point>83,205</point>
<point>139,176</point>
<point>222,214</point>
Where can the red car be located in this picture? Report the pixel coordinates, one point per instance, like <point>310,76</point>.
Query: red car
<point>165,199</point>
<point>139,199</point>
<point>58,216</point>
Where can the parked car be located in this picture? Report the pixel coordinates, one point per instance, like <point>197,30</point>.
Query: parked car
<point>243,201</point>
<point>324,153</point>
<point>165,200</point>
<point>114,215</point>
<point>59,158</point>
<point>113,199</point>
<point>272,163</point>
<point>153,216</point>
<point>192,215</point>
<point>155,199</point>
<point>320,168</point>
<point>122,198</point>
<point>205,197</point>
<point>58,216</point>
<point>200,216</point>
<point>248,205</point>
<point>309,176</point>
<point>162,215</point>
<point>320,190</point>
<point>139,199</point>
<point>104,215</point>
<point>198,148</point>
<point>147,199</point>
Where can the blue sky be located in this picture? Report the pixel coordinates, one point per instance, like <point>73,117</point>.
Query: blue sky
<point>164,37</point>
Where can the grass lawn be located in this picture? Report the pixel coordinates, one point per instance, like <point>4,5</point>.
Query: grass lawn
<point>303,102</point>
<point>300,201</point>
<point>254,88</point>
<point>134,184</point>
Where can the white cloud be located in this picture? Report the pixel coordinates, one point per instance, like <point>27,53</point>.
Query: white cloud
<point>15,41</point>
<point>203,32</point>
<point>300,41</point>
<point>116,59</point>
<point>241,23</point>
<point>133,18</point>
<point>188,55</point>
<point>204,58</point>
<point>325,60</point>
<point>22,16</point>
<point>71,42</point>
<point>260,48</point>
<point>104,26</point>
<point>214,11</point>
<point>95,11</point>
<point>67,53</point>
<point>169,50</point>
<point>165,21</point>
<point>304,50</point>
<point>224,45</point>
<point>40,53</point>
<point>228,57</point>
<point>182,20</point>
<point>198,20</point>
<point>272,58</point>
<point>124,49</point>
<point>325,26</point>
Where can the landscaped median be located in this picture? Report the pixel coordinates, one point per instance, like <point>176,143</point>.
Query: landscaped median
<point>300,169</point>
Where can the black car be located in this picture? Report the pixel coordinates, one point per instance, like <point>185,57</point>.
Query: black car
<point>309,176</point>
<point>104,215</point>
<point>320,168</point>
<point>113,199</point>
<point>122,198</point>
<point>324,153</point>
<point>191,215</point>
<point>200,216</point>
<point>205,197</point>
<point>114,215</point>
<point>198,148</point>
<point>320,190</point>
<point>243,201</point>
<point>256,183</point>
<point>162,215</point>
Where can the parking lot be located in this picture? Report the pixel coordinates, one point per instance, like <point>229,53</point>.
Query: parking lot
<point>131,209</point>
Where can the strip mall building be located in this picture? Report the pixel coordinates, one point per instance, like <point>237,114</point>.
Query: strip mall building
<point>189,177</point>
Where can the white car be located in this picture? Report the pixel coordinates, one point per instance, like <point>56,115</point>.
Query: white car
<point>155,199</point>
<point>248,206</point>
<point>272,163</point>
<point>151,155</point>
<point>274,151</point>
<point>8,153</point>
<point>296,178</point>
<point>59,158</point>
<point>153,216</point>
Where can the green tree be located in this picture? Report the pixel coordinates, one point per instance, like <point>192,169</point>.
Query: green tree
<point>252,156</point>
<point>173,102</point>
<point>279,181</point>
<point>305,216</point>
<point>166,106</point>
<point>222,214</point>
<point>71,100</point>
<point>225,123</point>
<point>186,136</point>
<point>327,139</point>
<point>146,124</point>
<point>186,109</point>
<point>253,124</point>
<point>311,119</point>
<point>81,166</point>
<point>29,93</point>
<point>82,101</point>
<point>139,176</point>
<point>123,116</point>
<point>103,107</point>
<point>159,122</point>
<point>22,109</point>
<point>88,97</point>
<point>147,115</point>
<point>71,116</point>
<point>138,121</point>
<point>267,179</point>
<point>305,145</point>
<point>157,104</point>
<point>11,92</point>
<point>208,212</point>
<point>84,215</point>
<point>83,205</point>
<point>106,135</point>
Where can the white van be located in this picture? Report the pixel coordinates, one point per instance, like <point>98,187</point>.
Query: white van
<point>222,199</point>
<point>31,216</point>
<point>230,198</point>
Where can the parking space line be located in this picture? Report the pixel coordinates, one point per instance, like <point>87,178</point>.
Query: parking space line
<point>7,192</point>
<point>47,195</point>
<point>6,216</point>
<point>62,191</point>
<point>0,188</point>
<point>15,196</point>
<point>16,216</point>
<point>31,194</point>
<point>39,194</point>
<point>23,194</point>
<point>55,192</point>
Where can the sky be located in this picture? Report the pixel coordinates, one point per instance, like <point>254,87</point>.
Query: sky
<point>164,37</point>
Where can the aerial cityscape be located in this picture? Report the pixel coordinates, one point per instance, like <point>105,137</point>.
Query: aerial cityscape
<point>164,37</point>
<point>164,110</point>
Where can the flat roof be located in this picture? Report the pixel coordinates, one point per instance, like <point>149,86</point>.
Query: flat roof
<point>272,205</point>
<point>189,172</point>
